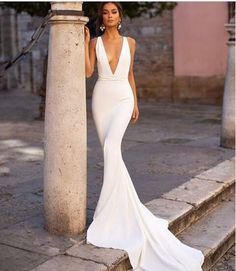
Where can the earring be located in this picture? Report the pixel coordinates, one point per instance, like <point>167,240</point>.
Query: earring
<point>102,27</point>
<point>119,25</point>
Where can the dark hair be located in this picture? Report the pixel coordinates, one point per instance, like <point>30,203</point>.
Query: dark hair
<point>99,20</point>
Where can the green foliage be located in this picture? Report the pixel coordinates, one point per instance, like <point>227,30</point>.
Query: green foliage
<point>32,8</point>
<point>131,9</point>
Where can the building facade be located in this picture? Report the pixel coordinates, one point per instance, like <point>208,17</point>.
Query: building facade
<point>180,56</point>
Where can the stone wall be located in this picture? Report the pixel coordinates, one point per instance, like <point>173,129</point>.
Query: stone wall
<point>199,89</point>
<point>153,65</point>
<point>8,46</point>
<point>16,32</point>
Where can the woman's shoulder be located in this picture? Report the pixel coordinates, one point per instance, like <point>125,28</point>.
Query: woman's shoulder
<point>131,40</point>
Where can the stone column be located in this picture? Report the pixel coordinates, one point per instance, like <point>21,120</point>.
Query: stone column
<point>65,138</point>
<point>227,139</point>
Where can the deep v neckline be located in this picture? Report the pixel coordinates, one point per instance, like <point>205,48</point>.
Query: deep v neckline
<point>123,39</point>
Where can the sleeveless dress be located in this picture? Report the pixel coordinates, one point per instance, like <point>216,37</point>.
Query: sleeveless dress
<point>121,220</point>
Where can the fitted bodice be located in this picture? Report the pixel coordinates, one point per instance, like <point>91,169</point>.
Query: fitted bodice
<point>123,65</point>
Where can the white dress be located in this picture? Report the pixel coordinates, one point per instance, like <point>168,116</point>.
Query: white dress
<point>121,220</point>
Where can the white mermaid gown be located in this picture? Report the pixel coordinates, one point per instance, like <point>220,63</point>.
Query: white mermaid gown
<point>121,220</point>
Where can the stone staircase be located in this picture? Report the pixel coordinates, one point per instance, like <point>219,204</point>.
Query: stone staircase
<point>203,211</point>
<point>200,213</point>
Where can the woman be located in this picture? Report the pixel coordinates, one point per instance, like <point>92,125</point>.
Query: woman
<point>121,220</point>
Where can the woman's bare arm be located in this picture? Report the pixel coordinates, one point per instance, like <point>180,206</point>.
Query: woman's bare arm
<point>90,57</point>
<point>135,114</point>
<point>132,44</point>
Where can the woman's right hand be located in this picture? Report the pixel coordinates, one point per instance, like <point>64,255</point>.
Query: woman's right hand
<point>86,35</point>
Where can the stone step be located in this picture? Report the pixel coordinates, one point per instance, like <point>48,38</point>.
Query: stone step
<point>200,213</point>
<point>214,233</point>
<point>187,203</point>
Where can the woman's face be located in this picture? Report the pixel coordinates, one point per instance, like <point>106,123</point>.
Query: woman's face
<point>110,15</point>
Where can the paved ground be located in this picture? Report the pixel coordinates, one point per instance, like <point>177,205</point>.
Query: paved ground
<point>170,144</point>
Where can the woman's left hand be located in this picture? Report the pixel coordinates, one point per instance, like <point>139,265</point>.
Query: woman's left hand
<point>135,113</point>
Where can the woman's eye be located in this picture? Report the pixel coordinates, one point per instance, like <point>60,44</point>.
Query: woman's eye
<point>114,12</point>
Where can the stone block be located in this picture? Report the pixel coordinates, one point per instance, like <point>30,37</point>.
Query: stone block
<point>168,209</point>
<point>223,173</point>
<point>30,235</point>
<point>194,191</point>
<point>16,259</point>
<point>106,256</point>
<point>62,263</point>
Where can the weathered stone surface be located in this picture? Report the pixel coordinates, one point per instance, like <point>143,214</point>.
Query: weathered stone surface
<point>62,263</point>
<point>207,232</point>
<point>13,258</point>
<point>194,191</point>
<point>65,148</point>
<point>107,256</point>
<point>18,29</point>
<point>199,89</point>
<point>4,171</point>
<point>30,235</point>
<point>185,204</point>
<point>168,209</point>
<point>233,159</point>
<point>213,233</point>
<point>18,203</point>
<point>223,172</point>
<point>227,262</point>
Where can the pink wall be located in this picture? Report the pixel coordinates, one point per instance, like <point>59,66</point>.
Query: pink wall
<point>200,38</point>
